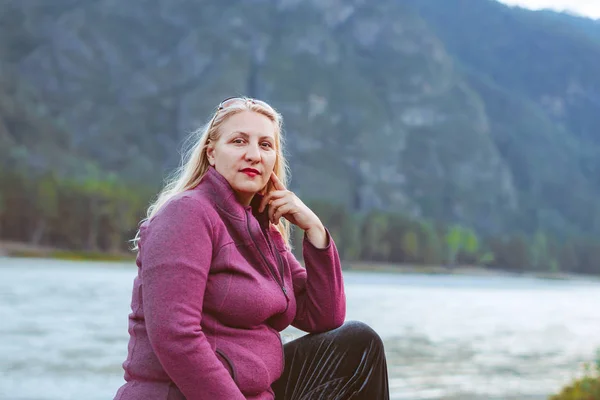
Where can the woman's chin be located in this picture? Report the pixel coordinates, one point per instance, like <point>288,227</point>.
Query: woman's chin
<point>247,190</point>
<point>249,187</point>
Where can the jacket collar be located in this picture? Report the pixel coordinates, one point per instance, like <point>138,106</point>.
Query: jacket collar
<point>224,198</point>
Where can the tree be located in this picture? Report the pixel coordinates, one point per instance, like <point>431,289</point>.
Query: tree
<point>432,247</point>
<point>515,254</point>
<point>397,228</point>
<point>539,252</point>
<point>127,207</point>
<point>410,246</point>
<point>470,246</point>
<point>97,192</point>
<point>2,208</point>
<point>46,204</point>
<point>376,246</point>
<point>342,225</point>
<point>454,241</point>
<point>567,257</point>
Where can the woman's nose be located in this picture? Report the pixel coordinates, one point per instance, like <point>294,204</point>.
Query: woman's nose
<point>253,152</point>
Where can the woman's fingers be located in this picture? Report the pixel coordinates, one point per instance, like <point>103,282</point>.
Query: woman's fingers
<point>271,211</point>
<point>276,182</point>
<point>269,197</point>
<point>274,205</point>
<point>281,211</point>
<point>279,202</point>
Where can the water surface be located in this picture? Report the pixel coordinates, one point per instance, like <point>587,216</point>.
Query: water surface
<point>63,333</point>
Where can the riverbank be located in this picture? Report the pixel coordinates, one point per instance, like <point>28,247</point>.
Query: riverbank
<point>18,249</point>
<point>25,250</point>
<point>463,270</point>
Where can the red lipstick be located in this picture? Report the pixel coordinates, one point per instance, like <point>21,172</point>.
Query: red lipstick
<point>251,172</point>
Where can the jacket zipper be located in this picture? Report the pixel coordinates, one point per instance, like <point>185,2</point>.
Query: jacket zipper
<point>269,266</point>
<point>231,366</point>
<point>281,268</point>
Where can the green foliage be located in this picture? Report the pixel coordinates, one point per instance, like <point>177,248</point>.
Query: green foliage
<point>454,240</point>
<point>99,214</point>
<point>410,246</point>
<point>486,258</point>
<point>94,216</point>
<point>471,243</point>
<point>481,115</point>
<point>462,244</point>
<point>342,225</point>
<point>46,198</point>
<point>545,133</point>
<point>585,388</point>
<point>432,244</point>
<point>480,119</point>
<point>511,253</point>
<point>375,240</point>
<point>90,256</point>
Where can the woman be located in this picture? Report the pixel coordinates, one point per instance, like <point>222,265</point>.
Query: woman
<point>217,281</point>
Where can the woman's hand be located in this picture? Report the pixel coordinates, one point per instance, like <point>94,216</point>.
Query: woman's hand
<point>284,203</point>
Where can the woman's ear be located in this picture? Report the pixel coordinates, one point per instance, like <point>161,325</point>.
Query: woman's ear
<point>210,154</point>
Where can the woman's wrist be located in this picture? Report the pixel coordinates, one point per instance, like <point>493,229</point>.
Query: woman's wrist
<point>317,236</point>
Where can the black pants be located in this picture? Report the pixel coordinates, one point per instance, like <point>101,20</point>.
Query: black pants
<point>345,363</point>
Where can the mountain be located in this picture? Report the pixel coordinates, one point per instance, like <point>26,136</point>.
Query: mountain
<point>458,110</point>
<point>536,73</point>
<point>29,135</point>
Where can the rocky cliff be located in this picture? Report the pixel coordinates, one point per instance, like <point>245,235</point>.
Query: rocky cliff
<point>383,106</point>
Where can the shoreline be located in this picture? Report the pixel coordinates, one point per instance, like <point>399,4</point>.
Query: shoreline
<point>25,250</point>
<point>463,270</point>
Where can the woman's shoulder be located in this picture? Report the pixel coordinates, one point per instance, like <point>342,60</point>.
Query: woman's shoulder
<point>187,206</point>
<point>194,198</point>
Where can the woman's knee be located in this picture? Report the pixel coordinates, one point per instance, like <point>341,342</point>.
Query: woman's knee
<point>358,332</point>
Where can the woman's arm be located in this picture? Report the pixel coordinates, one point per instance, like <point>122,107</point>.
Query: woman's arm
<point>176,251</point>
<point>319,289</point>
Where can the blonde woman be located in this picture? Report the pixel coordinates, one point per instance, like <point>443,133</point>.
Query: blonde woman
<point>217,282</point>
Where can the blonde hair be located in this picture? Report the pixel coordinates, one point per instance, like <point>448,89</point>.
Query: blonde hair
<point>194,161</point>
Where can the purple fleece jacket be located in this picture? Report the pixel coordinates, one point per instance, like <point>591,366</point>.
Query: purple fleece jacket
<point>215,286</point>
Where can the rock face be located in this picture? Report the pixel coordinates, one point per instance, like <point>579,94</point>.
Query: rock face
<point>377,113</point>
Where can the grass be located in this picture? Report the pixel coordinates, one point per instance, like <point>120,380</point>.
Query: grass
<point>14,249</point>
<point>585,388</point>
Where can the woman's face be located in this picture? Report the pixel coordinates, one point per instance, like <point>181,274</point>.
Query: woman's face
<point>245,153</point>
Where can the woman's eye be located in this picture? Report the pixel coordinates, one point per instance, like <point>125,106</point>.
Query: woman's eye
<point>238,141</point>
<point>267,144</point>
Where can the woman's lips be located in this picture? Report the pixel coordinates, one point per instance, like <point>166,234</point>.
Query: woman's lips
<point>250,172</point>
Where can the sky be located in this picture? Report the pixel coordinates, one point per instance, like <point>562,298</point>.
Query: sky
<point>587,8</point>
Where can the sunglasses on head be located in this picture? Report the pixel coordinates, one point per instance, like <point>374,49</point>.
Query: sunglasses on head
<point>236,99</point>
<point>230,101</point>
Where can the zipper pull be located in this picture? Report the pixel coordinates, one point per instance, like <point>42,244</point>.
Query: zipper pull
<point>284,290</point>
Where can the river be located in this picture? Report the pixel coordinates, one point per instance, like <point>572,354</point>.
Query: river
<point>63,331</point>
